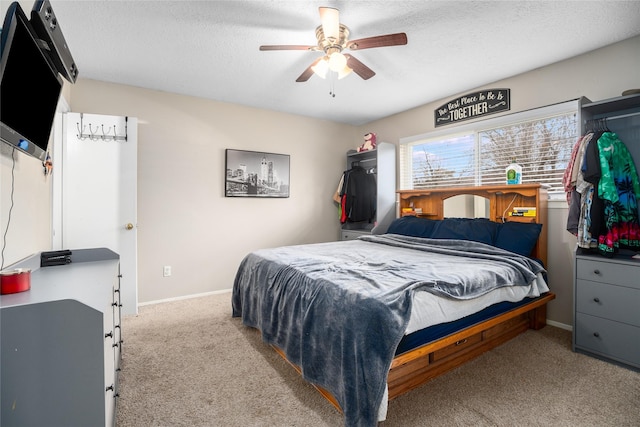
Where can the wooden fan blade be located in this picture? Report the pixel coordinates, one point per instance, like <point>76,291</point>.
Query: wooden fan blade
<point>287,47</point>
<point>306,74</point>
<point>378,41</point>
<point>359,68</point>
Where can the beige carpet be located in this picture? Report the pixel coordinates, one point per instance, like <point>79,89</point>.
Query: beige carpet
<point>189,363</point>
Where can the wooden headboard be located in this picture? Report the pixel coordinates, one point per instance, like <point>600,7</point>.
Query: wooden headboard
<point>429,203</point>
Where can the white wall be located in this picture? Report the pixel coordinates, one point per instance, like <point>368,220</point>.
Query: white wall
<point>600,74</point>
<point>26,219</point>
<point>184,220</point>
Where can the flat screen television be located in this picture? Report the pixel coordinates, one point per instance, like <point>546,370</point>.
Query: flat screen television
<point>30,87</point>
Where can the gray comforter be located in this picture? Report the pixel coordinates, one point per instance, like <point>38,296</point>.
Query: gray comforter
<point>338,310</point>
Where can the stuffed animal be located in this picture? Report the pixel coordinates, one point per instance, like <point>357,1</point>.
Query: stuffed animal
<point>369,142</point>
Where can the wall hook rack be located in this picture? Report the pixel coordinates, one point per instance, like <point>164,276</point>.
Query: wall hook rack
<point>99,134</point>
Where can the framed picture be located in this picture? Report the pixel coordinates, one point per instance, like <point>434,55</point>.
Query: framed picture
<point>256,174</point>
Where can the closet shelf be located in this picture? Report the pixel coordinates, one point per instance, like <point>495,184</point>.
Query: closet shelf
<point>618,104</point>
<point>420,215</point>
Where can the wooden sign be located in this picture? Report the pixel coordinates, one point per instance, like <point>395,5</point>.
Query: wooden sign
<point>473,105</point>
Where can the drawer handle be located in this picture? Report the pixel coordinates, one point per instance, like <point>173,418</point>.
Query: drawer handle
<point>461,342</point>
<point>596,299</point>
<point>596,272</point>
<point>109,335</point>
<point>596,334</point>
<point>110,388</point>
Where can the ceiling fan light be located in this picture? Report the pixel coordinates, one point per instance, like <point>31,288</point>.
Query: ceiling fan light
<point>321,68</point>
<point>344,72</point>
<point>337,62</point>
<point>330,19</point>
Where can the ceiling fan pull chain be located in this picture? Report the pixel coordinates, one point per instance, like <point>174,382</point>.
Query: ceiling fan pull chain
<point>332,90</point>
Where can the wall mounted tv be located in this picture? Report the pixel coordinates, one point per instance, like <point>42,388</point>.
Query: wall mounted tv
<point>30,86</point>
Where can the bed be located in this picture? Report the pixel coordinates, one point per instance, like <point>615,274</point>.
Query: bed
<point>370,319</point>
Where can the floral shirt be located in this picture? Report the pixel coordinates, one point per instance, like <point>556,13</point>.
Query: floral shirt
<point>619,187</point>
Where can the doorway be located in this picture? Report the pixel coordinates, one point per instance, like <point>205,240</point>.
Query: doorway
<point>98,192</point>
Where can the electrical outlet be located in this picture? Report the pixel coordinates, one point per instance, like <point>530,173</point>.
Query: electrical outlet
<point>166,271</point>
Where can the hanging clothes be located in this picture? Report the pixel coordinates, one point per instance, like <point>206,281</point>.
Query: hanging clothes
<point>619,188</point>
<point>580,194</point>
<point>603,192</point>
<point>336,196</point>
<point>591,173</point>
<point>358,195</point>
<point>570,180</point>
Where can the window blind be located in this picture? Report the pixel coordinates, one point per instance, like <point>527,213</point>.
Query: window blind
<point>539,140</point>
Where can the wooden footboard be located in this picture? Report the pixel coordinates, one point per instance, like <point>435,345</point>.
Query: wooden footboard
<point>415,367</point>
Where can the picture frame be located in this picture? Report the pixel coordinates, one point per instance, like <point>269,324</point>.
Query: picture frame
<point>256,174</point>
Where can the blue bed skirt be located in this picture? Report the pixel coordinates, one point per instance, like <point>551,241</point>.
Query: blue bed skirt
<point>435,332</point>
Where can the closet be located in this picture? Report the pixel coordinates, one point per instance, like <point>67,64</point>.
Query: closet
<point>381,164</point>
<point>606,322</point>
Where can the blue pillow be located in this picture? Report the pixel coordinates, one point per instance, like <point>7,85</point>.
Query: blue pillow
<point>518,237</point>
<point>476,229</point>
<point>412,226</point>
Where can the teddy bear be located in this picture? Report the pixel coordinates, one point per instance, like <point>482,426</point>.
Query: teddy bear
<point>369,142</point>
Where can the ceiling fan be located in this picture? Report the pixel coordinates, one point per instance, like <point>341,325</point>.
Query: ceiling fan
<point>333,38</point>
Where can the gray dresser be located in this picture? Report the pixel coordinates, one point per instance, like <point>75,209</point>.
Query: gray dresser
<point>607,308</point>
<point>61,344</point>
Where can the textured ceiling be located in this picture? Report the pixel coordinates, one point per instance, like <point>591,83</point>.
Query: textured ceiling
<point>209,49</point>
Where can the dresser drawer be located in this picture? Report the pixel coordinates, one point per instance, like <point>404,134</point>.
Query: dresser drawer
<point>607,338</point>
<point>608,272</point>
<point>617,303</point>
<point>456,347</point>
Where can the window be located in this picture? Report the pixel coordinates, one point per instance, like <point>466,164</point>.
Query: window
<point>540,140</point>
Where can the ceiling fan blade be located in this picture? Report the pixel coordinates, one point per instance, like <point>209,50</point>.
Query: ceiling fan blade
<point>306,74</point>
<point>287,47</point>
<point>330,19</point>
<point>359,68</point>
<point>378,41</point>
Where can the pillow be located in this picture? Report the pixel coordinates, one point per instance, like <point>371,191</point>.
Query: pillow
<point>518,237</point>
<point>412,226</point>
<point>476,229</point>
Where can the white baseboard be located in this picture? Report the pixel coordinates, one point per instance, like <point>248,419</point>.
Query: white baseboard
<point>204,294</point>
<point>559,325</point>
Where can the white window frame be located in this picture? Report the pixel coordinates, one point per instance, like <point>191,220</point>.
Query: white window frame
<point>405,143</point>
